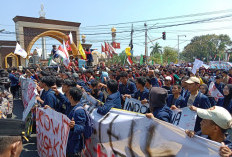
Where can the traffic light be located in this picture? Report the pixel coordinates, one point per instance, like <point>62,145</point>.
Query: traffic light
<point>164,35</point>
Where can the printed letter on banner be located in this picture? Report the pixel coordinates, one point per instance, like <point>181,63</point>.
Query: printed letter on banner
<point>52,133</point>
<point>135,106</point>
<point>184,118</point>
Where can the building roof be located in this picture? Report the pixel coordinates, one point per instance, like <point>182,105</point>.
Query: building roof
<point>47,21</point>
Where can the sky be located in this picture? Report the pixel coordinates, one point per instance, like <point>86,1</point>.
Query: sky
<point>92,13</point>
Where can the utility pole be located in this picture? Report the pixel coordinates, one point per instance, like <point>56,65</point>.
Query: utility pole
<point>131,42</point>
<point>145,25</point>
<point>178,36</point>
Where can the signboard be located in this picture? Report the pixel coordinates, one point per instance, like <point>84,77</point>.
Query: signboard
<point>81,63</point>
<point>52,130</point>
<point>135,105</point>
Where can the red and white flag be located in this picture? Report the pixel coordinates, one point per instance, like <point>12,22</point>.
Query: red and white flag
<point>103,48</point>
<point>19,51</point>
<point>68,47</point>
<point>112,50</point>
<point>116,45</point>
<point>214,92</point>
<point>106,47</point>
<point>130,62</point>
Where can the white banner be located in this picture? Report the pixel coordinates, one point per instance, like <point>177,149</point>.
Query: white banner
<point>196,65</point>
<point>123,133</point>
<point>135,105</point>
<point>29,94</point>
<point>52,132</point>
<point>214,92</point>
<point>184,118</point>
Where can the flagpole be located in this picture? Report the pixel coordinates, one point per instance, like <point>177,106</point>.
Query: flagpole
<point>124,61</point>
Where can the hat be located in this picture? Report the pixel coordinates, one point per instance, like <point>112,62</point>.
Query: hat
<point>156,70</point>
<point>12,127</point>
<point>219,115</point>
<point>168,78</point>
<point>158,96</point>
<point>97,72</point>
<point>193,80</point>
<point>75,75</point>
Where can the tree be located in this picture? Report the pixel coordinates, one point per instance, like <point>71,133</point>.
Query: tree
<point>206,47</point>
<point>156,49</point>
<point>170,54</point>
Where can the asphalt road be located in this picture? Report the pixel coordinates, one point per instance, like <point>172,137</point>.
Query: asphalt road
<point>29,148</point>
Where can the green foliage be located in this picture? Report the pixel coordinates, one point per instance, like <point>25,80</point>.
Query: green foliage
<point>205,47</point>
<point>118,59</point>
<point>156,58</point>
<point>170,54</point>
<point>156,49</point>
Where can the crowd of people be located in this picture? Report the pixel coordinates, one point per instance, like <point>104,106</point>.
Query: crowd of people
<point>164,88</point>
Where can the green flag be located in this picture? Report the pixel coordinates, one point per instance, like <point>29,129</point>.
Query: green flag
<point>141,60</point>
<point>50,60</point>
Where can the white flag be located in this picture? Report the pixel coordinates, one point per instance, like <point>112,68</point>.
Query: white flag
<point>66,59</point>
<point>19,51</point>
<point>214,92</point>
<point>39,51</point>
<point>196,65</point>
<point>70,38</point>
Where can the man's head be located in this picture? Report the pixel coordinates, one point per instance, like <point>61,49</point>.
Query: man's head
<point>93,84</point>
<point>67,84</point>
<point>176,89</point>
<point>151,73</point>
<point>224,73</point>
<point>11,133</point>
<point>193,84</point>
<point>218,79</point>
<point>89,73</point>
<point>183,83</point>
<point>123,77</point>
<point>54,46</point>
<point>215,120</point>
<point>167,80</point>
<point>112,86</point>
<point>157,97</point>
<point>48,81</point>
<point>140,82</point>
<point>74,95</point>
<point>148,83</point>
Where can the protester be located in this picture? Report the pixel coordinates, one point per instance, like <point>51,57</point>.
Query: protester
<point>215,122</point>
<point>14,86</point>
<point>95,91</point>
<point>226,78</point>
<point>154,81</point>
<point>226,101</point>
<point>196,98</point>
<point>4,104</point>
<point>204,89</point>
<point>184,92</point>
<point>175,100</point>
<point>158,105</point>
<point>113,99</point>
<point>218,83</point>
<point>167,84</point>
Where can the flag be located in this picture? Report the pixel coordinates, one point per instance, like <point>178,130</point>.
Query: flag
<point>19,51</point>
<point>130,62</point>
<point>61,52</point>
<point>112,50</point>
<point>214,92</point>
<point>67,45</point>
<point>127,51</point>
<point>106,47</point>
<point>39,51</point>
<point>81,50</point>
<point>70,38</point>
<point>103,48</point>
<point>141,60</point>
<point>116,45</point>
<point>51,61</point>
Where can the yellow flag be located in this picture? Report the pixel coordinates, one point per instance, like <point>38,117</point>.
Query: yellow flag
<point>127,51</point>
<point>81,50</point>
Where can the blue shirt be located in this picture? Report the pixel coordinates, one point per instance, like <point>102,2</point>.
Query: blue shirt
<point>112,100</point>
<point>49,98</point>
<point>141,95</point>
<point>154,82</point>
<point>129,88</point>
<point>179,102</point>
<point>75,139</point>
<point>221,103</point>
<point>163,113</point>
<point>14,80</point>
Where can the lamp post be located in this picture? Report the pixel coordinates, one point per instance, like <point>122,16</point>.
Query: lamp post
<point>178,36</point>
<point>113,33</point>
<point>83,38</point>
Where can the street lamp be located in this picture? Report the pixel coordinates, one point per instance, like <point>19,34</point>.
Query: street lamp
<point>178,36</point>
<point>83,38</point>
<point>113,30</point>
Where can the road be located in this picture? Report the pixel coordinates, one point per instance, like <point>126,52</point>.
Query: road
<point>29,148</point>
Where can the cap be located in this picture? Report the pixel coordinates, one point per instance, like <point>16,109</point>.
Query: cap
<point>156,70</point>
<point>75,75</point>
<point>219,115</point>
<point>193,80</point>
<point>168,78</point>
<point>12,127</point>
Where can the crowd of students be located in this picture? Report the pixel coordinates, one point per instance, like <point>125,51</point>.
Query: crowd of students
<point>165,88</point>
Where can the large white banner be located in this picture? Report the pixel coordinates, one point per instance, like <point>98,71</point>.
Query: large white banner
<point>135,105</point>
<point>28,95</point>
<point>123,133</point>
<point>52,129</point>
<point>184,118</point>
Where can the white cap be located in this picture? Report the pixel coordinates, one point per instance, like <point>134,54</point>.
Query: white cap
<point>168,78</point>
<point>193,80</point>
<point>157,70</point>
<point>219,115</point>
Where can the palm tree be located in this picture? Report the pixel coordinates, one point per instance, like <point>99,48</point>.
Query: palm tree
<point>156,49</point>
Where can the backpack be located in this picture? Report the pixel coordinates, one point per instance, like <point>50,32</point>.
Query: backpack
<point>88,124</point>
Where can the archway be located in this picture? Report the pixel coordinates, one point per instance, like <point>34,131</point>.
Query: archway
<point>56,35</point>
<point>12,59</point>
